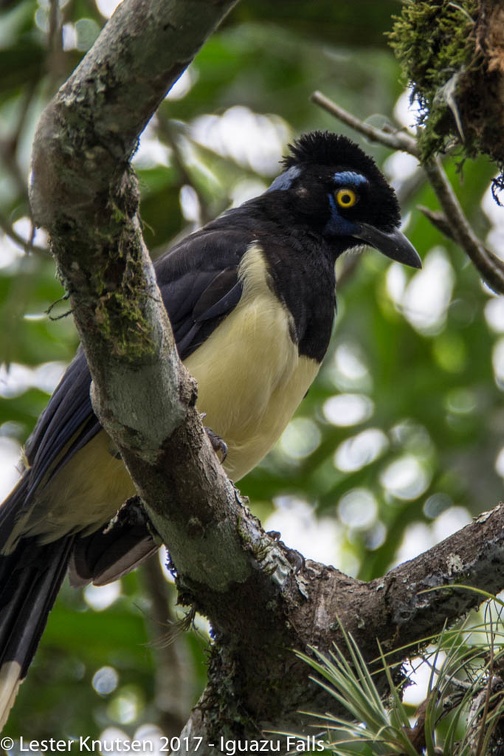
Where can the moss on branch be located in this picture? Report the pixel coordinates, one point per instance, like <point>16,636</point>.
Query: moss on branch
<point>435,42</point>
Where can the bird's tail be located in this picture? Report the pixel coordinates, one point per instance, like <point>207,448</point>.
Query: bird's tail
<point>31,574</point>
<point>30,578</point>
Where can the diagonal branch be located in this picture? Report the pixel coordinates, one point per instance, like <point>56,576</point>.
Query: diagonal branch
<point>488,264</point>
<point>396,140</point>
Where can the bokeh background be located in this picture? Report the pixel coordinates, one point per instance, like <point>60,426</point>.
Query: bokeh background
<point>397,445</point>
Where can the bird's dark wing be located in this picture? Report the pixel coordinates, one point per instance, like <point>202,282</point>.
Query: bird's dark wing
<point>199,295</point>
<point>199,284</point>
<point>66,424</point>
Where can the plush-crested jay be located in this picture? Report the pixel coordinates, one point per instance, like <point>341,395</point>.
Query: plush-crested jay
<point>251,299</point>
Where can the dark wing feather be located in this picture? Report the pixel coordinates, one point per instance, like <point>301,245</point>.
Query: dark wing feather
<point>65,421</point>
<point>199,284</point>
<point>29,583</point>
<point>198,297</point>
<point>220,295</point>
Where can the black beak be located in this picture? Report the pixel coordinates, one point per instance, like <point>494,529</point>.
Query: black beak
<point>393,244</point>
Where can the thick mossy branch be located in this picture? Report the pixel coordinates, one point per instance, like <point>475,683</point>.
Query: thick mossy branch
<point>452,55</point>
<point>107,284</point>
<point>436,46</point>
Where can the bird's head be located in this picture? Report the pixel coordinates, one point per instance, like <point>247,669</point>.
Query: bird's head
<point>340,190</point>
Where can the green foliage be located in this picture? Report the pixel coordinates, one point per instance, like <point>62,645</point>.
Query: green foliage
<point>463,706</point>
<point>419,451</point>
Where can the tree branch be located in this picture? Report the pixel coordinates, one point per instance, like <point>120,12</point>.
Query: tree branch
<point>403,609</point>
<point>397,140</point>
<point>84,193</point>
<point>490,266</point>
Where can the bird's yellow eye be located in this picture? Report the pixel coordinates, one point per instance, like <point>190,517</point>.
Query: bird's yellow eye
<point>346,197</point>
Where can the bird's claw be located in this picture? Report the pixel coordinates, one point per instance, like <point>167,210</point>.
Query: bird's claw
<point>218,445</point>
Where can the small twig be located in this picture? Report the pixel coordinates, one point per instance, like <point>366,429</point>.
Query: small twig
<point>173,671</point>
<point>25,244</point>
<point>490,267</point>
<point>10,143</point>
<point>456,225</point>
<point>438,220</point>
<point>396,140</point>
<point>55,57</point>
<point>9,157</point>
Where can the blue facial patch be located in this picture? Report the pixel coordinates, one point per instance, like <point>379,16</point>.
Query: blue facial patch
<point>336,224</point>
<point>349,178</point>
<point>285,180</point>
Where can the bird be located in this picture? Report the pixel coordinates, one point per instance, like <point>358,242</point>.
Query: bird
<point>251,297</point>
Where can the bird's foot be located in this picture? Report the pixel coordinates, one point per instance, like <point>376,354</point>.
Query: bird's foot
<point>218,445</point>
<point>294,557</point>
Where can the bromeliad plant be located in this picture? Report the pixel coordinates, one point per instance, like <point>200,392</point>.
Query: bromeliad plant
<point>462,713</point>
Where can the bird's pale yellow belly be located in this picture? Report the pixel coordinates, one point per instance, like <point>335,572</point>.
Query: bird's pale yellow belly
<point>250,376</point>
<point>250,381</point>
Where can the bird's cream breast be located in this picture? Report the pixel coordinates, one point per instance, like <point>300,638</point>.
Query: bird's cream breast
<point>250,375</point>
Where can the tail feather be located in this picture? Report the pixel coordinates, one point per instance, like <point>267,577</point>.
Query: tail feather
<point>12,515</point>
<point>9,686</point>
<point>31,574</point>
<point>106,555</point>
<point>30,579</point>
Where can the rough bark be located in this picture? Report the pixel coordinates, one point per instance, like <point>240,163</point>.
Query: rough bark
<point>256,682</point>
<point>263,601</point>
<point>487,118</point>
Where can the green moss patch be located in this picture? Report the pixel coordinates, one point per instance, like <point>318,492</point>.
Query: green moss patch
<point>435,42</point>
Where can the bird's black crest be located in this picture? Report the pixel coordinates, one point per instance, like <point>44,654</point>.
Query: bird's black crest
<point>326,148</point>
<point>337,151</point>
